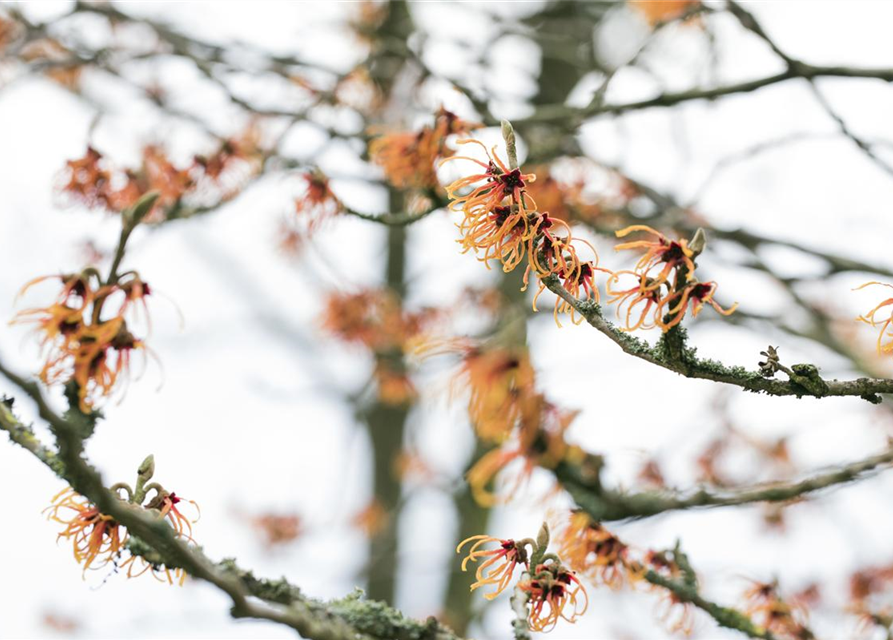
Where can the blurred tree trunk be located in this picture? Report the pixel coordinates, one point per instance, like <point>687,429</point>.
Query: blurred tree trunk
<point>386,423</point>
<point>387,426</point>
<point>473,518</point>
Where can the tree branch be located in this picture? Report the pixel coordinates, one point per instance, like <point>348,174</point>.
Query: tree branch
<point>605,505</point>
<point>692,367</point>
<point>350,618</point>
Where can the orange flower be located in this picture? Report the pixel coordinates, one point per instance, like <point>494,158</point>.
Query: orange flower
<point>166,505</point>
<point>318,203</point>
<point>497,380</point>
<point>89,181</point>
<point>679,616</point>
<point>61,321</point>
<point>657,11</point>
<point>573,282</point>
<point>676,614</point>
<point>500,563</point>
<point>278,529</point>
<point>220,175</point>
<point>698,293</point>
<point>539,442</point>
<point>375,319</point>
<point>371,519</point>
<point>642,293</point>
<point>409,158</point>
<point>550,253</point>
<point>550,194</point>
<point>161,175</point>
<point>665,263</point>
<point>501,185</point>
<point>503,235</point>
<point>768,609</point>
<point>501,220</point>
<point>101,359</point>
<point>886,324</point>
<point>96,538</point>
<point>9,31</point>
<point>593,551</point>
<point>79,344</point>
<point>551,589</point>
<point>672,254</point>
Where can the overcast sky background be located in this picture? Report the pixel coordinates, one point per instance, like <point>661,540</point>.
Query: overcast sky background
<point>248,418</point>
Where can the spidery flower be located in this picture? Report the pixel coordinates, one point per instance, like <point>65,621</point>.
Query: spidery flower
<point>318,203</point>
<point>638,307</point>
<point>478,194</point>
<point>409,158</point>
<point>593,551</point>
<point>394,385</point>
<point>769,610</point>
<point>377,320</point>
<point>662,253</point>
<point>499,564</point>
<point>666,285</point>
<point>554,593</point>
<point>497,380</point>
<point>574,281</point>
<point>166,505</point>
<point>501,221</point>
<point>84,334</point>
<point>99,540</point>
<point>885,336</point>
<point>538,442</point>
<point>96,538</point>
<point>696,294</point>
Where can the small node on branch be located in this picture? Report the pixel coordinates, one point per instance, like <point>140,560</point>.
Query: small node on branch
<point>770,365</point>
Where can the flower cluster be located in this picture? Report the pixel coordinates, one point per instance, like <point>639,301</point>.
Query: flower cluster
<point>502,221</point>
<point>664,283</point>
<point>781,618</point>
<point>507,410</point>
<point>409,158</point>
<point>552,591</point>
<point>538,440</point>
<point>376,320</point>
<point>212,178</point>
<point>599,556</point>
<point>84,334</point>
<point>561,189</point>
<point>99,540</point>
